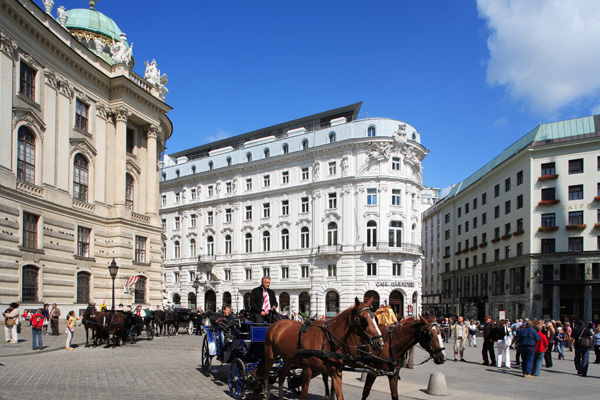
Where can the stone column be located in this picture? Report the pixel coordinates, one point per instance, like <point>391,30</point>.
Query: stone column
<point>101,170</point>
<point>536,292</point>
<point>151,171</point>
<point>7,49</point>
<point>587,294</point>
<point>120,155</point>
<point>50,112</point>
<point>556,293</point>
<point>62,156</point>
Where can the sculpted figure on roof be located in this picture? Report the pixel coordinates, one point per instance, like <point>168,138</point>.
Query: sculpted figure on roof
<point>119,51</point>
<point>152,74</point>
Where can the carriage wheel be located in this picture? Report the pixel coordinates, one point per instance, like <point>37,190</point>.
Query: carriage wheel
<point>237,378</point>
<point>172,329</point>
<point>150,332</point>
<point>190,328</point>
<point>206,357</point>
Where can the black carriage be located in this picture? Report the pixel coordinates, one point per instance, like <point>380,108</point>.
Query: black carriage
<point>136,326</point>
<point>239,343</point>
<point>190,320</point>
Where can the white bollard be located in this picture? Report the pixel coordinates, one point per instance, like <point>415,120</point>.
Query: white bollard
<point>437,385</point>
<point>363,376</point>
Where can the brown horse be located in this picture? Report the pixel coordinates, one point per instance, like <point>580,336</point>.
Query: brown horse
<point>117,328</point>
<point>90,322</point>
<point>323,346</point>
<point>398,340</point>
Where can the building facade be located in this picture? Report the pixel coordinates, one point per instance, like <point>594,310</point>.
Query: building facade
<point>81,136</point>
<point>519,237</point>
<point>328,206</point>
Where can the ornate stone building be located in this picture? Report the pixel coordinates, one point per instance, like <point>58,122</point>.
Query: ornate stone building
<point>81,134</point>
<point>327,205</point>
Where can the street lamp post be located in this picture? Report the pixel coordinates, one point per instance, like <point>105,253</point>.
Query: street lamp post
<point>113,268</point>
<point>196,285</point>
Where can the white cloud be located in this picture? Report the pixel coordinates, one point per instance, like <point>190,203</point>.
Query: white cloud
<point>546,52</point>
<point>220,135</point>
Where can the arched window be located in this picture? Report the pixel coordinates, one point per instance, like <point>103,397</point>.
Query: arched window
<point>211,165</point>
<point>371,131</point>
<point>26,156</point>
<point>247,301</point>
<point>285,239</point>
<point>248,242</point>
<point>210,246</point>
<point>304,304</point>
<point>331,137</point>
<point>304,238</point>
<point>248,157</point>
<point>29,284</point>
<point>371,233</point>
<point>284,303</point>
<point>395,234</point>
<point>140,291</point>
<point>285,148</point>
<point>267,152</point>
<point>226,299</point>
<point>332,234</point>
<point>176,249</point>
<point>375,296</point>
<point>176,299</point>
<point>229,161</point>
<point>227,244</point>
<point>332,304</point>
<point>83,287</point>
<point>129,191</point>
<point>191,299</point>
<point>266,241</point>
<point>414,136</point>
<point>192,247</point>
<point>305,144</point>
<point>80,178</point>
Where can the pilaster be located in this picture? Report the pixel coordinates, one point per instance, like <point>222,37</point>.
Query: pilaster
<point>120,156</point>
<point>7,48</point>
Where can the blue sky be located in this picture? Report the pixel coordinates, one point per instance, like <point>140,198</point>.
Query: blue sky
<point>471,76</point>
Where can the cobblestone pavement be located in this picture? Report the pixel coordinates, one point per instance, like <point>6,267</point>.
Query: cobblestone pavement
<point>168,368</point>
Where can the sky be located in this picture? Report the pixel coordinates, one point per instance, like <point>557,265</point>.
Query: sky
<point>471,76</point>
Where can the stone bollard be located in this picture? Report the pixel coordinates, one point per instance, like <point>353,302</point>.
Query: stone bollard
<point>363,376</point>
<point>437,385</point>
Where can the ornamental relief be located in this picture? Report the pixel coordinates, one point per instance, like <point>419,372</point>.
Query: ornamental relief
<point>7,45</point>
<point>101,110</point>
<point>331,215</point>
<point>152,131</point>
<point>51,78</point>
<point>304,222</point>
<point>30,60</point>
<point>209,231</point>
<point>84,148</point>
<point>133,168</point>
<point>32,122</point>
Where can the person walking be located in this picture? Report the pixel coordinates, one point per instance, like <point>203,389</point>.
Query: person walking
<point>569,334</point>
<point>54,315</point>
<point>488,341</point>
<point>37,323</point>
<point>11,320</point>
<point>597,345</point>
<point>526,340</point>
<point>549,331</point>
<point>503,341</point>
<point>70,329</point>
<point>540,348</point>
<point>446,330</point>
<point>582,337</point>
<point>46,314</point>
<point>472,333</point>
<point>559,339</point>
<point>460,333</point>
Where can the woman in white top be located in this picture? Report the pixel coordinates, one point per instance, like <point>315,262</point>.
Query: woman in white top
<point>503,340</point>
<point>11,320</point>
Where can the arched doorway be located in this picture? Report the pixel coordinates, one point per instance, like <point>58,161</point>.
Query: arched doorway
<point>332,304</point>
<point>176,300</point>
<point>210,301</point>
<point>284,303</point>
<point>191,300</point>
<point>414,310</point>
<point>226,299</point>
<point>372,294</point>
<point>247,301</point>
<point>397,303</point>
<point>304,304</point>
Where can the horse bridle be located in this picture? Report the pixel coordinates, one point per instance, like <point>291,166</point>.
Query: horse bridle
<point>425,336</point>
<point>362,323</point>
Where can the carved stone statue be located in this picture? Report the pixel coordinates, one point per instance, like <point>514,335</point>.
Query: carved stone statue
<point>345,165</point>
<point>99,45</point>
<point>316,171</point>
<point>152,74</point>
<point>48,6</point>
<point>162,89</point>
<point>119,51</point>
<point>62,16</point>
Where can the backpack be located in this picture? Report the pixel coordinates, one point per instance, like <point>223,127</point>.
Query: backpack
<point>498,333</point>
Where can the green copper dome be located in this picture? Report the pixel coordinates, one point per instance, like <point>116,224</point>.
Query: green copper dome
<point>92,21</point>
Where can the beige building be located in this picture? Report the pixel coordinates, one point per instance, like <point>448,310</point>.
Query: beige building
<point>81,134</point>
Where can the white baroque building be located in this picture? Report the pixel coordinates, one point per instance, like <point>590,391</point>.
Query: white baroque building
<point>80,137</point>
<point>327,205</point>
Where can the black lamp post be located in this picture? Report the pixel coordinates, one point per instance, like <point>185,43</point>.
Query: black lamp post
<point>196,285</point>
<point>113,268</point>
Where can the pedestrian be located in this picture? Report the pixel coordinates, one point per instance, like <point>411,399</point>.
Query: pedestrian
<point>518,357</point>
<point>488,341</point>
<point>46,314</point>
<point>583,337</point>
<point>559,338</point>
<point>503,341</point>
<point>597,345</point>
<point>37,323</point>
<point>446,330</point>
<point>526,341</point>
<point>569,334</point>
<point>11,320</point>
<point>54,315</point>
<point>472,333</point>
<point>460,333</point>
<point>540,348</point>
<point>549,331</point>
<point>71,319</point>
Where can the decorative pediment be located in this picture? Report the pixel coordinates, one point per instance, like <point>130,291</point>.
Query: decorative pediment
<point>331,215</point>
<point>133,168</point>
<point>396,216</point>
<point>263,227</point>
<point>226,230</point>
<point>191,235</point>
<point>370,215</point>
<point>247,228</point>
<point>209,231</point>
<point>303,222</point>
<point>83,146</point>
<point>283,223</point>
<point>30,119</point>
<point>176,236</point>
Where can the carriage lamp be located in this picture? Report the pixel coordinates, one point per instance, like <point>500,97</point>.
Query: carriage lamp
<point>196,285</point>
<point>113,268</point>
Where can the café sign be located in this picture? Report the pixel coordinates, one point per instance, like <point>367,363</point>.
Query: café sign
<point>395,284</point>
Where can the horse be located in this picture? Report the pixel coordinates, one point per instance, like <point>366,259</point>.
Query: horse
<point>321,348</point>
<point>89,321</point>
<point>157,317</point>
<point>117,328</point>
<point>398,339</point>
<point>171,318</point>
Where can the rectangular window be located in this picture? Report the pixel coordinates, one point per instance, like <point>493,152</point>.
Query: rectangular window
<point>193,220</point>
<point>177,224</point>
<point>81,115</point>
<point>484,199</point>
<point>548,220</point>
<point>396,197</point>
<point>305,173</point>
<point>332,200</point>
<point>332,270</point>
<point>210,217</point>
<point>285,272</point>
<point>266,271</point>
<point>177,198</point>
<point>83,241</point>
<point>164,200</point>
<point>497,212</point>
<point>548,169</point>
<point>483,218</point>
<point>576,166</point>
<point>285,177</point>
<point>519,178</point>
<point>332,168</point>
<point>507,184</point>
<point>211,191</point>
<point>193,194</point>
<point>466,208</point>
<point>304,205</point>
<point>475,204</point>
<point>447,218</point>
<point>497,232</point>
<point>266,180</point>
<point>519,201</point>
<point>371,269</point>
<point>248,274</point>
<point>475,223</point>
<point>228,187</point>
<point>130,141</point>
<point>549,194</point>
<point>520,225</point>
<point>228,215</point>
<point>507,229</point>
<point>459,212</point>
<point>266,210</point>
<point>520,249</point>
<point>164,225</point>
<point>459,229</point>
<point>497,190</point>
<point>576,192</point>
<point>507,252</point>
<point>304,271</point>
<point>285,207</point>
<point>484,258</point>
<point>140,249</point>
<point>447,234</point>
<point>249,184</point>
<point>395,163</point>
<point>371,197</point>
<point>467,226</point>
<point>575,244</point>
<point>27,87</point>
<point>248,213</point>
<point>576,218</point>
<point>397,268</point>
<point>497,255</point>
<point>227,274</point>
<point>507,207</point>
<point>484,237</point>
<point>475,261</point>
<point>548,246</point>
